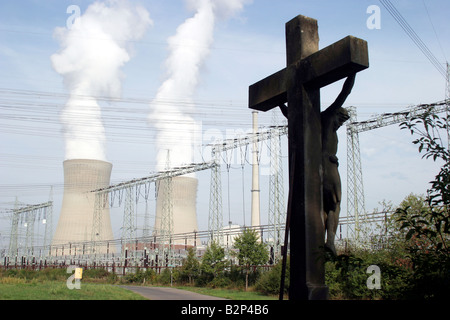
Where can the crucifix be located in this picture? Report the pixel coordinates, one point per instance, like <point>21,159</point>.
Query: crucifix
<point>298,85</point>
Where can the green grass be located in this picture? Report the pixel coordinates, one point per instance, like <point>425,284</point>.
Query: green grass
<point>50,284</point>
<point>56,290</point>
<point>229,293</point>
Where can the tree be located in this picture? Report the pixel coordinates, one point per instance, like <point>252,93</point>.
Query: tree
<point>251,251</point>
<point>429,227</point>
<point>213,261</point>
<point>191,266</point>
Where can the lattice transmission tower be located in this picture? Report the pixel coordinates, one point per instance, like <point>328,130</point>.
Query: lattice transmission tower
<point>277,209</point>
<point>27,216</point>
<point>355,186</point>
<point>215,219</point>
<point>166,230</point>
<point>13,242</point>
<point>48,218</point>
<point>99,204</point>
<point>129,216</point>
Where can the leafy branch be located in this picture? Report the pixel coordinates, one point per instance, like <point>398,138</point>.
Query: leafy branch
<point>432,223</point>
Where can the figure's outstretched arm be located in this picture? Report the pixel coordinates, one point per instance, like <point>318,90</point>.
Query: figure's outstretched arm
<point>284,110</point>
<point>346,90</point>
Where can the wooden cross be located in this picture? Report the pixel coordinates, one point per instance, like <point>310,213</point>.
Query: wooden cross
<point>308,70</point>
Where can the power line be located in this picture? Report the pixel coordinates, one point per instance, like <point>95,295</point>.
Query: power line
<point>434,29</point>
<point>414,37</point>
<point>127,120</point>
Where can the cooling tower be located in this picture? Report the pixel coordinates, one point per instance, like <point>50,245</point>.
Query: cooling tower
<point>184,208</point>
<point>77,211</point>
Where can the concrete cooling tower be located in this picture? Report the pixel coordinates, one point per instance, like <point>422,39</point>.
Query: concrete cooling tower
<point>77,211</point>
<point>184,208</point>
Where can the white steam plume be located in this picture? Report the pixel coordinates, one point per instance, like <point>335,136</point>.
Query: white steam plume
<point>92,53</point>
<point>188,49</point>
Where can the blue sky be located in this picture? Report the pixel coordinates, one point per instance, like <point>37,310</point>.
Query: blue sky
<point>246,48</point>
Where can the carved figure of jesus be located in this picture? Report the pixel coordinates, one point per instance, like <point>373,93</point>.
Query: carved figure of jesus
<point>331,120</point>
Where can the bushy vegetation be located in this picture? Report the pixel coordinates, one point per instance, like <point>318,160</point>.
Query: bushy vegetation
<point>348,273</point>
<point>215,271</point>
<point>269,282</point>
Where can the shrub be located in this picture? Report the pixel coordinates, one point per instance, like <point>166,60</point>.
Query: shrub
<point>54,274</point>
<point>269,282</point>
<point>166,276</point>
<point>346,276</point>
<point>97,273</point>
<point>220,282</point>
<point>141,276</point>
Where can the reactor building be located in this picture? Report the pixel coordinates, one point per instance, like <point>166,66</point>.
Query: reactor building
<point>75,222</point>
